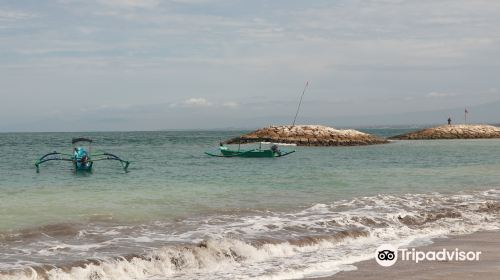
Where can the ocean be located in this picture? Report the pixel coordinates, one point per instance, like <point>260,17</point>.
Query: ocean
<point>181,214</point>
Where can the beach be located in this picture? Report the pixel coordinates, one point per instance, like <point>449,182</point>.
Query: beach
<point>249,140</point>
<point>488,266</point>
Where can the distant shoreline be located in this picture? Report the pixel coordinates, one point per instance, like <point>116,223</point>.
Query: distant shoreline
<point>250,128</point>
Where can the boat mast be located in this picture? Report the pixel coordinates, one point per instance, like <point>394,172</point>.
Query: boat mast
<point>300,102</point>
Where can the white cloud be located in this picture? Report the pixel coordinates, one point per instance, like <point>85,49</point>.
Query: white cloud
<point>132,3</point>
<point>12,15</point>
<point>230,104</point>
<point>196,102</point>
<point>436,94</point>
<point>199,102</point>
<point>240,52</point>
<point>194,1</point>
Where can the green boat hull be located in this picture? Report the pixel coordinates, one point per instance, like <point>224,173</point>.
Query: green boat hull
<point>83,166</point>
<point>250,153</point>
<point>255,153</point>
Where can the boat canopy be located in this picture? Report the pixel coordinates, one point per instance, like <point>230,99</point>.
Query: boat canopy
<point>278,144</point>
<point>81,139</point>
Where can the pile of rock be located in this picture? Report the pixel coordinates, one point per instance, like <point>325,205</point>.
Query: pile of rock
<point>309,135</point>
<point>452,132</point>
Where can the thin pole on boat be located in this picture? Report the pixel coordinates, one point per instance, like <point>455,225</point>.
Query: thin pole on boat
<point>300,102</point>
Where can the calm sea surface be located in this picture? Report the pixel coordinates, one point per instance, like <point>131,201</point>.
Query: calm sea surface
<point>180,213</point>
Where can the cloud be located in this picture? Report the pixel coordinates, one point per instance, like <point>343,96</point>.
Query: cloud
<point>230,104</point>
<point>196,102</point>
<point>199,102</point>
<point>398,55</point>
<point>436,94</point>
<point>12,15</point>
<point>131,3</point>
<point>194,1</point>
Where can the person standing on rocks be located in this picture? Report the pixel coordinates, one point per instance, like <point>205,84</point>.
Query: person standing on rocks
<point>449,120</point>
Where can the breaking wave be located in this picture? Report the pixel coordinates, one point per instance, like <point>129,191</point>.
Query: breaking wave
<point>317,241</point>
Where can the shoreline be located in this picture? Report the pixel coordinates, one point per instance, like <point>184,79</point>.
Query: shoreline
<point>487,267</point>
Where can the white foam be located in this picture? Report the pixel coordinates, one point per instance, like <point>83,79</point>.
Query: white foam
<point>228,251</point>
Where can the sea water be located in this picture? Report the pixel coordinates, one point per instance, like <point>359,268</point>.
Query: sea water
<point>179,213</point>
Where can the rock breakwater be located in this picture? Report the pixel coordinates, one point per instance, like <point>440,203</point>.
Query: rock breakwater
<point>470,131</point>
<point>309,135</point>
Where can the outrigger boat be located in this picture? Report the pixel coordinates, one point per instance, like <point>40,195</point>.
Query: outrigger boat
<point>273,151</point>
<point>81,158</point>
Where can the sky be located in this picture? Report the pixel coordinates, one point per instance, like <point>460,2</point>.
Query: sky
<point>86,65</point>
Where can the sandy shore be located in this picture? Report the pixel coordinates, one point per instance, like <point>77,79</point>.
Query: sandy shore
<point>488,266</point>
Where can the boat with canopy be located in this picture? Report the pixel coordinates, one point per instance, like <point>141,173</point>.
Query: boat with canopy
<point>260,152</point>
<point>82,157</point>
<point>273,151</point>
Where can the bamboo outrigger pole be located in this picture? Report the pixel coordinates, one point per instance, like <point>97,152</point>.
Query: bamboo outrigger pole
<point>300,102</point>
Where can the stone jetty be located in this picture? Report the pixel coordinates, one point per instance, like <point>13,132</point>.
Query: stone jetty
<point>309,135</point>
<point>469,131</point>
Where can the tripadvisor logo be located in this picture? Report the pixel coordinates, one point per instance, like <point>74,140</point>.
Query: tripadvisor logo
<point>387,255</point>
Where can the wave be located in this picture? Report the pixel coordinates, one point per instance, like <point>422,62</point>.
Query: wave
<point>317,241</point>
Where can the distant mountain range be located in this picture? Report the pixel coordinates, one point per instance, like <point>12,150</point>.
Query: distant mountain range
<point>160,117</point>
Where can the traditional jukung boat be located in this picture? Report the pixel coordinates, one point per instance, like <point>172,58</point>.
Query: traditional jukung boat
<point>82,158</point>
<point>272,152</point>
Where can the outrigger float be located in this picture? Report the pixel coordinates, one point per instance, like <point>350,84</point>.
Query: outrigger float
<point>272,152</point>
<point>81,158</point>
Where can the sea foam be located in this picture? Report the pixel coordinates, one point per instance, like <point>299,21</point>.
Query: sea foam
<point>316,241</point>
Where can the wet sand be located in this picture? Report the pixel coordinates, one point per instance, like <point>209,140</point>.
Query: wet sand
<point>488,266</point>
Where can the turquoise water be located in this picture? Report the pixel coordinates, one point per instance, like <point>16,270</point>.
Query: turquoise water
<point>173,188</point>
